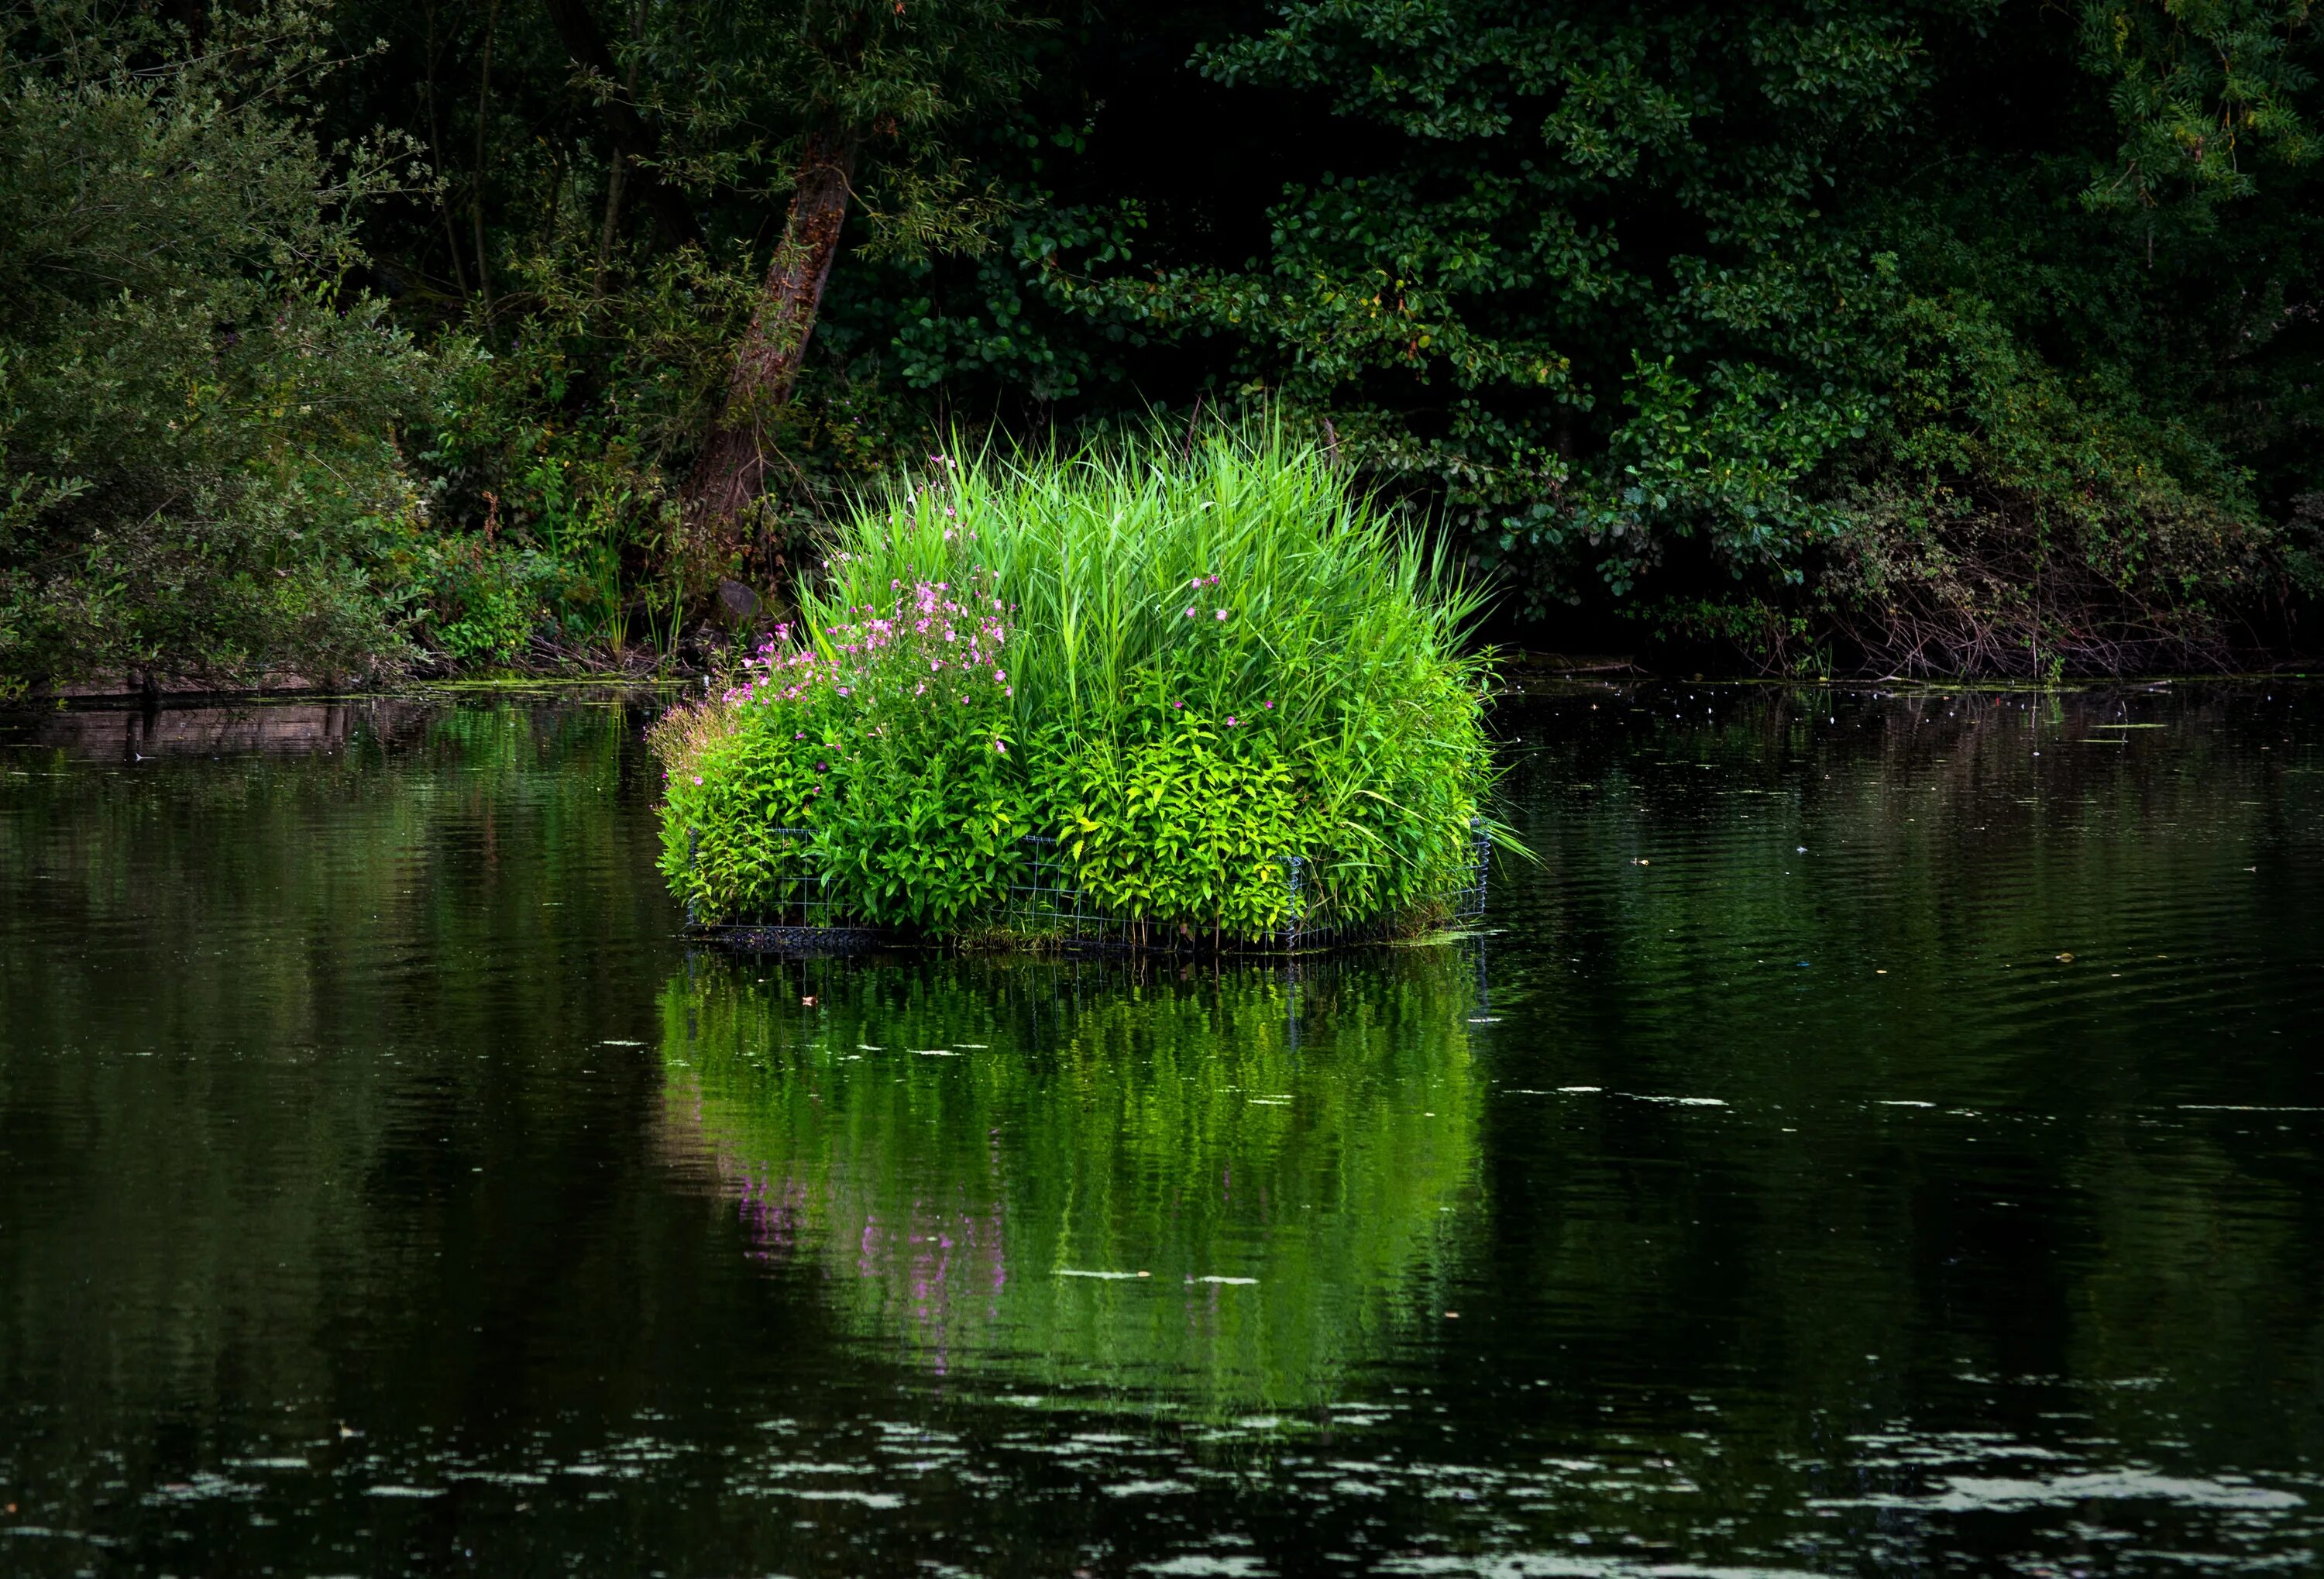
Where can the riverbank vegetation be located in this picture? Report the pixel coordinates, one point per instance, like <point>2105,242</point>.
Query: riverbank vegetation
<point>1185,665</point>
<point>1959,336</point>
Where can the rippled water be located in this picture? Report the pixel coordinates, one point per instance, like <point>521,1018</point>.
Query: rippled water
<point>1879,1133</point>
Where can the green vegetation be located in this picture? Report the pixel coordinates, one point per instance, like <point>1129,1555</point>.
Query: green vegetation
<point>198,432</point>
<point>1088,1197</point>
<point>1949,337</point>
<point>1185,665</point>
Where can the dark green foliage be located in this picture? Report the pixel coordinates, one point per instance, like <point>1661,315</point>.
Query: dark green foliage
<point>1668,307</point>
<point>1731,319</point>
<point>199,419</point>
<point>1950,334</point>
<point>1660,299</point>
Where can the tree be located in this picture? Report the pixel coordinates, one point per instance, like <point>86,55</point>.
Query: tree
<point>840,84</point>
<point>198,466</point>
<point>1951,334</point>
<point>1743,318</point>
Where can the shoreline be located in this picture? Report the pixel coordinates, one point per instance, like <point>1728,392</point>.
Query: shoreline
<point>1526,675</point>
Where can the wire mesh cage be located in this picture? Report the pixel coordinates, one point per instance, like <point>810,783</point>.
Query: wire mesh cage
<point>1046,905</point>
<point>799,906</point>
<point>1312,925</point>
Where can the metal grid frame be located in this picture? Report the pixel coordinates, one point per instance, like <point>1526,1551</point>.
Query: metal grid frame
<point>805,916</point>
<point>1313,928</point>
<point>1044,905</point>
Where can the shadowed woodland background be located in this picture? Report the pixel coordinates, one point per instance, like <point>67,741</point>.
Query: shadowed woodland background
<point>1958,337</point>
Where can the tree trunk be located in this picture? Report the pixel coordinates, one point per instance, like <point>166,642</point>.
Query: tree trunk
<point>728,476</point>
<point>477,184</point>
<point>619,162</point>
<point>612,226</point>
<point>631,137</point>
<point>442,156</point>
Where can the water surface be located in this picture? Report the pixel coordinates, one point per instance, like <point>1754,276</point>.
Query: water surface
<point>1878,1132</point>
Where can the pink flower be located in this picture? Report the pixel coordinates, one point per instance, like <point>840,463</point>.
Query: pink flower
<point>1269,706</point>
<point>1190,614</point>
<point>1231,723</point>
<point>1222,614</point>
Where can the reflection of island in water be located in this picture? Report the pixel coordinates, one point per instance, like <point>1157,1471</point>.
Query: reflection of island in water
<point>1225,1189</point>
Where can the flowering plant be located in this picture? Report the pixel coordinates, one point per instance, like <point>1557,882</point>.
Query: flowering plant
<point>1188,668</point>
<point>887,733</point>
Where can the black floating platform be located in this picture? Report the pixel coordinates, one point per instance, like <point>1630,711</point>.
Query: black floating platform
<point>749,939</point>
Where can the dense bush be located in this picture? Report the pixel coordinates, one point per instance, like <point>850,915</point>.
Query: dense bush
<point>198,463</point>
<point>1187,665</point>
<point>1942,335</point>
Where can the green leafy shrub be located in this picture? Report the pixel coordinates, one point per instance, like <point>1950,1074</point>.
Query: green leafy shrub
<point>484,598</point>
<point>740,790</point>
<point>887,736</point>
<point>199,416</point>
<point>1188,666</point>
<point>1195,821</point>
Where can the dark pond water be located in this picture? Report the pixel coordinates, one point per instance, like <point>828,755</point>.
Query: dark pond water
<point>1880,1134</point>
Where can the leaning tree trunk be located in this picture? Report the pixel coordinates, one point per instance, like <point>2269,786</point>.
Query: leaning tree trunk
<point>728,474</point>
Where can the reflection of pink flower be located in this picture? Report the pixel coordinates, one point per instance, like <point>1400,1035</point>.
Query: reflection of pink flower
<point>943,1266</point>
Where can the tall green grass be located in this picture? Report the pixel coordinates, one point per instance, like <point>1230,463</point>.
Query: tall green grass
<point>1215,656</point>
<point>1328,610</point>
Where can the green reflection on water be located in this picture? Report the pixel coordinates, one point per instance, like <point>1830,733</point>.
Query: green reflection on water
<point>959,1145</point>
